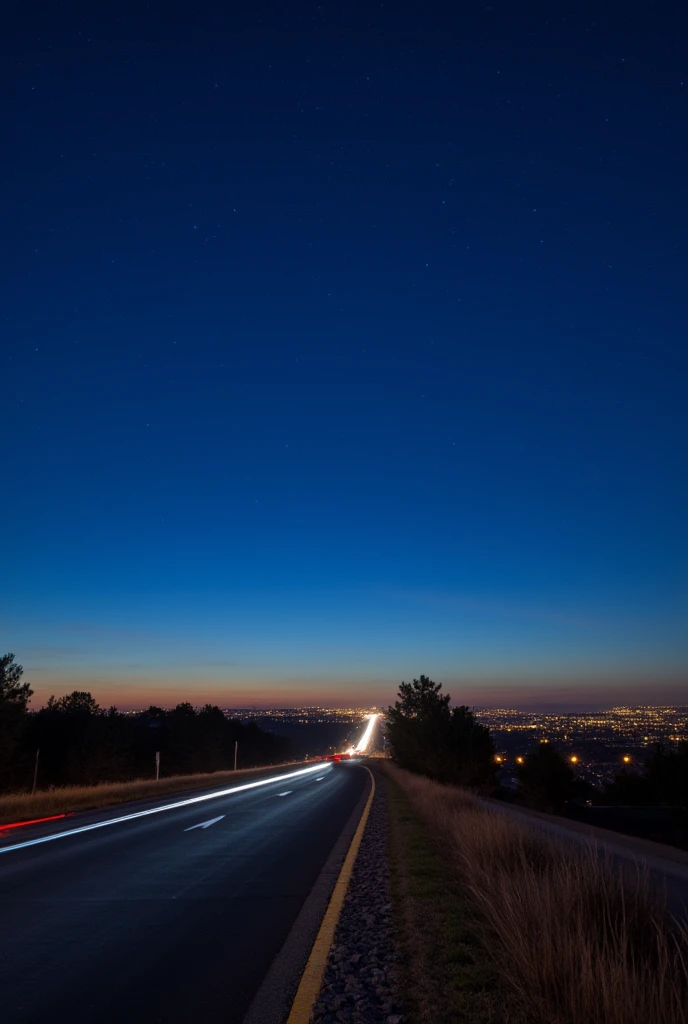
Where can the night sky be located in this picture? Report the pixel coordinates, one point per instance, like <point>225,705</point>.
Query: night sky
<point>342,343</point>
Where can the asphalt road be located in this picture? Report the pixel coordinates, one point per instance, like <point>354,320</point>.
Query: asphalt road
<point>156,920</point>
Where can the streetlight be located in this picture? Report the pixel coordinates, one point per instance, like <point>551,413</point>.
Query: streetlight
<point>626,759</point>
<point>519,760</point>
<point>574,759</point>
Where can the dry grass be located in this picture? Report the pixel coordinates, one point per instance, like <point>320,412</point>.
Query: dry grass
<point>446,974</point>
<point>575,935</point>
<point>23,806</point>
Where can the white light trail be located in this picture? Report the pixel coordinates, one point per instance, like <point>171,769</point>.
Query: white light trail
<point>165,807</point>
<point>365,739</point>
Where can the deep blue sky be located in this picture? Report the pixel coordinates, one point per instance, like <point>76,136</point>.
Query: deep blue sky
<point>345,342</point>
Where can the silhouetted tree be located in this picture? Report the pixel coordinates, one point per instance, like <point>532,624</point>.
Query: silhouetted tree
<point>12,690</point>
<point>629,789</point>
<point>115,758</point>
<point>663,781</point>
<point>666,772</point>
<point>150,735</point>
<point>69,731</point>
<point>472,751</point>
<point>14,699</point>
<point>184,753</point>
<point>214,735</point>
<point>154,713</point>
<point>78,702</point>
<point>426,736</point>
<point>184,709</point>
<point>418,727</point>
<point>545,780</point>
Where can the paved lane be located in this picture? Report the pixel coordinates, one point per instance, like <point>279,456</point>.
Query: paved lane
<point>173,917</point>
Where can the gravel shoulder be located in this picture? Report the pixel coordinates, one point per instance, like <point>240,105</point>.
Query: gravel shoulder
<point>362,982</point>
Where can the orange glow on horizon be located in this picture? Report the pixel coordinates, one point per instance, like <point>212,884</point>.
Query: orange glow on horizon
<point>129,697</point>
<point>129,690</point>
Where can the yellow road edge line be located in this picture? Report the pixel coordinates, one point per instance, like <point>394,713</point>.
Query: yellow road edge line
<point>311,979</point>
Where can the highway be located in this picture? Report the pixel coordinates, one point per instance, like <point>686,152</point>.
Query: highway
<point>173,916</point>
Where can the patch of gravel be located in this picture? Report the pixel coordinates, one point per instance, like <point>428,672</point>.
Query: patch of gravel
<point>361,978</point>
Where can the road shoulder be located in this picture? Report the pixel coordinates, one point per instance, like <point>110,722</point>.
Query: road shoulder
<point>361,983</point>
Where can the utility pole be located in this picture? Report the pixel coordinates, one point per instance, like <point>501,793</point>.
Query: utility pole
<point>157,765</point>
<point>35,772</point>
<point>236,750</point>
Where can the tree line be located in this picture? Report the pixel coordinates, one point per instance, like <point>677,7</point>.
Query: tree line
<point>80,743</point>
<point>447,744</point>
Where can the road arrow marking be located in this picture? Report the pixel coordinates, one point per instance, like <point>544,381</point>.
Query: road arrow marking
<point>205,824</point>
<point>287,793</point>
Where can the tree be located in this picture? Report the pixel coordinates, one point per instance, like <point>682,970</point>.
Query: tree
<point>545,779</point>
<point>628,789</point>
<point>473,750</point>
<point>214,738</point>
<point>14,698</point>
<point>12,691</point>
<point>184,752</point>
<point>418,727</point>
<point>185,708</point>
<point>421,699</point>
<point>70,733</point>
<point>78,702</point>
<point>155,713</point>
<point>666,773</point>
<point>429,738</point>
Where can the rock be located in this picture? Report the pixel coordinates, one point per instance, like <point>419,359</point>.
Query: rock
<point>361,979</point>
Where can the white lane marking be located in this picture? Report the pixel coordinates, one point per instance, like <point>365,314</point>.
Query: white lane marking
<point>157,810</point>
<point>320,778</point>
<point>286,793</point>
<point>205,824</point>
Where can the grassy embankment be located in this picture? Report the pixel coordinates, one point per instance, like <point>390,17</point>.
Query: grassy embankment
<point>502,922</point>
<point>447,975</point>
<point>61,800</point>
